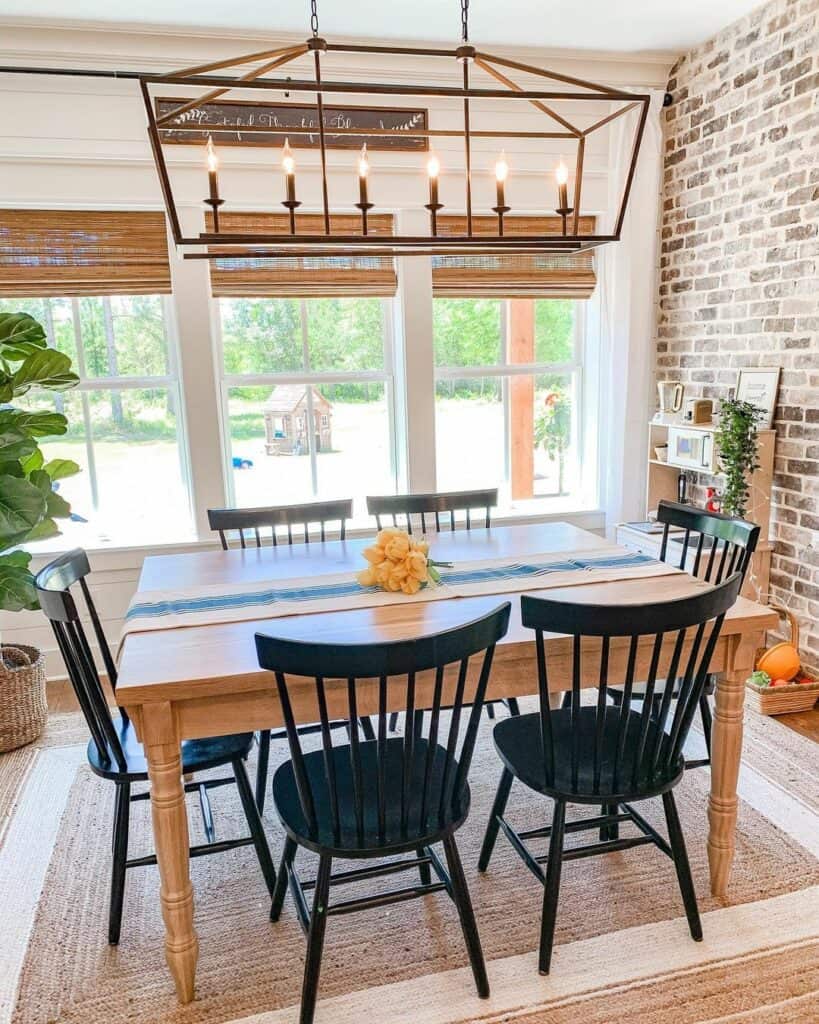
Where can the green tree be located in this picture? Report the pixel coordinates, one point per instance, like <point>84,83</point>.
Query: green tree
<point>553,430</point>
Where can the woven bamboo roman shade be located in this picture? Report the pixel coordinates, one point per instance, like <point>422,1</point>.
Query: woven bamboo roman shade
<point>546,275</point>
<point>83,252</point>
<point>302,276</point>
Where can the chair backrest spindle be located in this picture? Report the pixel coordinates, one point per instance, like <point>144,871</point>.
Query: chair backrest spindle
<point>408,780</point>
<point>238,520</point>
<point>402,508</point>
<point>626,745</point>
<point>53,585</point>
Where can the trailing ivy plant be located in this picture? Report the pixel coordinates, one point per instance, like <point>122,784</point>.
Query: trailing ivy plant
<point>736,439</point>
<point>29,504</point>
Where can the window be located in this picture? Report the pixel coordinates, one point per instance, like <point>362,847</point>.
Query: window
<point>124,424</point>
<point>508,399</point>
<point>289,363</point>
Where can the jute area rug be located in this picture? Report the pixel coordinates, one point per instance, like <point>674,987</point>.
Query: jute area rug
<point>623,952</point>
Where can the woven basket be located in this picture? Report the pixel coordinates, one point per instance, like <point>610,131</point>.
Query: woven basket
<point>23,707</point>
<point>783,700</point>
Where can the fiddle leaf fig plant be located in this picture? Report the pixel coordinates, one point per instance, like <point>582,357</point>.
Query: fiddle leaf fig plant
<point>736,439</point>
<point>29,504</point>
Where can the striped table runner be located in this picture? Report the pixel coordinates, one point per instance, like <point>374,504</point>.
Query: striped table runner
<point>206,605</point>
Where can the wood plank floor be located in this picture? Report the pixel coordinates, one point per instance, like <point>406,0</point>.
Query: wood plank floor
<point>61,699</point>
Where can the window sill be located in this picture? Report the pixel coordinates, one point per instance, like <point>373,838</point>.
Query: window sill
<point>112,556</point>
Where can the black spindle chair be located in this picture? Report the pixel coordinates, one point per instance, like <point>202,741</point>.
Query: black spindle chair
<point>400,508</point>
<point>712,547</point>
<point>239,520</point>
<point>610,755</point>
<point>114,752</point>
<point>385,797</point>
<point>278,518</point>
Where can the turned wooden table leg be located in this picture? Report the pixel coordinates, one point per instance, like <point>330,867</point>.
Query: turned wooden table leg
<point>726,751</point>
<point>170,820</point>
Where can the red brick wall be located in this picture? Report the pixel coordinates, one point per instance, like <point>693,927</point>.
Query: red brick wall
<point>739,282</point>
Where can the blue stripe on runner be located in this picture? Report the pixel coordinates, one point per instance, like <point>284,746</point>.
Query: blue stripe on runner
<point>516,570</point>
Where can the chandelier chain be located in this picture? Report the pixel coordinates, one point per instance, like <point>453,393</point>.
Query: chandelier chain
<point>465,20</point>
<point>314,18</point>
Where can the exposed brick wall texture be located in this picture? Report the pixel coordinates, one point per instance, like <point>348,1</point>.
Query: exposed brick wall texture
<point>739,282</point>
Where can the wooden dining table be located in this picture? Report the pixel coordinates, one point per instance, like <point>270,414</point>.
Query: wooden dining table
<point>204,680</point>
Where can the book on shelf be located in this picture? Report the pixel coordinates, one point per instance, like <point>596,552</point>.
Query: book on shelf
<point>652,527</point>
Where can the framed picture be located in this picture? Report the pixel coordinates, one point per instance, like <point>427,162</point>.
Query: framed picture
<point>759,385</point>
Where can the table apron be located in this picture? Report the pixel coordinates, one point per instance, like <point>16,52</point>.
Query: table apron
<point>513,675</point>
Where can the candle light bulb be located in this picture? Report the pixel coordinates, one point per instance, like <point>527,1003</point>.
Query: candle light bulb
<point>433,166</point>
<point>501,168</point>
<point>288,161</point>
<point>212,158</point>
<point>363,162</point>
<point>562,173</point>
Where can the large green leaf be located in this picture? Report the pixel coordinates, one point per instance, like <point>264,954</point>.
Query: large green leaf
<point>39,424</point>
<point>34,461</point>
<point>47,368</point>
<point>20,336</point>
<point>56,506</point>
<point>16,582</point>
<point>22,506</point>
<point>15,444</point>
<point>59,469</point>
<point>44,530</point>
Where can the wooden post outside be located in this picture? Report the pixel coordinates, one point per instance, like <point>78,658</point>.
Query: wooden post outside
<point>521,349</point>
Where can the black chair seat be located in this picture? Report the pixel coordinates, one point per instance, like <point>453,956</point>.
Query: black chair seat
<point>518,741</point>
<point>197,755</point>
<point>398,835</point>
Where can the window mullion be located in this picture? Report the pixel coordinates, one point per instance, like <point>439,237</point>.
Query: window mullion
<point>308,391</point>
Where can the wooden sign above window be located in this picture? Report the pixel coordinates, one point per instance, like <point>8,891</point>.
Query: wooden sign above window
<point>249,123</point>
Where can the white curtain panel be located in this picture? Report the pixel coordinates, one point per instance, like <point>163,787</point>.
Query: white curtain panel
<point>628,272</point>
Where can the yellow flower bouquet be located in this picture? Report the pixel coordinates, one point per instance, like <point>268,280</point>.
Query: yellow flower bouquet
<point>397,562</point>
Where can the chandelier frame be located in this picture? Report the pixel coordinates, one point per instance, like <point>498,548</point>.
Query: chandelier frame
<point>294,244</point>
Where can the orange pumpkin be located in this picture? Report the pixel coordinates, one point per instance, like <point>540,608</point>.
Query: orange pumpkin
<point>782,660</point>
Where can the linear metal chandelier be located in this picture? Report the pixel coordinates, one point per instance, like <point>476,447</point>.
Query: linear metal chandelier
<point>483,229</point>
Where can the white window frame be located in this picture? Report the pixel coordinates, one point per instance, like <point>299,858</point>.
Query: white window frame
<point>306,376</point>
<point>584,410</point>
<point>123,382</point>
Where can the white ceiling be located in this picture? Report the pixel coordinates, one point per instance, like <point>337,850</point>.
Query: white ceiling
<point>614,25</point>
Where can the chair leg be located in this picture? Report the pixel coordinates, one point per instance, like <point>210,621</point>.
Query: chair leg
<point>705,712</point>
<point>609,831</point>
<point>261,768</point>
<point>498,807</point>
<point>288,856</point>
<point>467,916</point>
<point>315,940</point>
<point>393,721</point>
<point>254,822</point>
<point>367,728</point>
<point>551,889</point>
<point>512,705</point>
<point>424,869</point>
<point>490,711</point>
<point>122,817</point>
<point>686,883</point>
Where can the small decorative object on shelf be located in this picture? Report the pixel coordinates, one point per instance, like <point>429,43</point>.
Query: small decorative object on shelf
<point>736,439</point>
<point>713,500</point>
<point>778,686</point>
<point>397,562</point>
